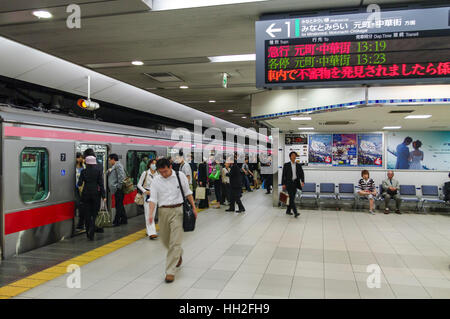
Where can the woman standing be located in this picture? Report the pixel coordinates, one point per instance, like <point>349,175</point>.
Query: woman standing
<point>144,186</point>
<point>217,183</point>
<point>203,182</point>
<point>93,190</point>
<point>78,169</point>
<point>226,183</point>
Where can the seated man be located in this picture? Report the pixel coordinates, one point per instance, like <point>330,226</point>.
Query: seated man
<point>367,189</point>
<point>390,191</point>
<point>446,191</point>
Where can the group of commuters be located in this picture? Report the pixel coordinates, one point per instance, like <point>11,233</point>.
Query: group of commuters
<point>293,178</point>
<point>90,190</point>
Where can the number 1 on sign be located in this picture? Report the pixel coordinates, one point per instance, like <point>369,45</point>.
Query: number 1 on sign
<point>288,28</point>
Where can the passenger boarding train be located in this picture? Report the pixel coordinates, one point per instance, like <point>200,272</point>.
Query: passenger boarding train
<point>37,174</point>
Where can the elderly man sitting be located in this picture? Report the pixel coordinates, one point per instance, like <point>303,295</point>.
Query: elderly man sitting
<point>390,191</point>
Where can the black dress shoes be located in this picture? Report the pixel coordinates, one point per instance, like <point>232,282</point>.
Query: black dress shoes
<point>288,213</point>
<point>229,210</point>
<point>296,214</point>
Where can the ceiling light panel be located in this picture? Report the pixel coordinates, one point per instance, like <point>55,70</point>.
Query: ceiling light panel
<point>423,116</point>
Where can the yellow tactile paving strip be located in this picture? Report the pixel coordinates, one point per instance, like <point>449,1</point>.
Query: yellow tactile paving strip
<point>22,285</point>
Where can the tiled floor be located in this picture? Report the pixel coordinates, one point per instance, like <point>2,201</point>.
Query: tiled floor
<point>266,254</point>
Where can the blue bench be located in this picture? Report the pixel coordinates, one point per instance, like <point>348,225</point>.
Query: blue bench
<point>326,191</point>
<point>430,194</point>
<point>309,192</point>
<point>346,192</point>
<point>408,194</point>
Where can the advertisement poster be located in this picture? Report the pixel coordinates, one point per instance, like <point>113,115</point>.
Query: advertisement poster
<point>344,150</point>
<point>299,144</point>
<point>320,149</point>
<point>418,150</point>
<point>370,150</point>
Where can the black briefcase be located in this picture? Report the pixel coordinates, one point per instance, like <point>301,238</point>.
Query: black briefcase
<point>188,213</point>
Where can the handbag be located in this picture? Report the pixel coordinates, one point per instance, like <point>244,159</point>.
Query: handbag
<point>139,198</point>
<point>127,185</point>
<point>200,192</point>
<point>215,175</point>
<point>103,218</point>
<point>284,198</point>
<point>188,214</point>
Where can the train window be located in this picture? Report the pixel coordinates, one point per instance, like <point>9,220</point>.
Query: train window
<point>34,174</point>
<point>137,163</point>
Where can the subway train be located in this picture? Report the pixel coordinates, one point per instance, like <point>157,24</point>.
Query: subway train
<point>37,171</point>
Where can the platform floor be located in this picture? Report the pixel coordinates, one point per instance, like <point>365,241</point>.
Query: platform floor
<point>265,253</point>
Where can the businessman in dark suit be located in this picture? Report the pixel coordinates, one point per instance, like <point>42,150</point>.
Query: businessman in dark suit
<point>292,178</point>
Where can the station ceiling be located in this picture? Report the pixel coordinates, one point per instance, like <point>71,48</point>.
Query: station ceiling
<point>115,32</point>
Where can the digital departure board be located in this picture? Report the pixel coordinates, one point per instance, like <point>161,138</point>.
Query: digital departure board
<point>395,46</point>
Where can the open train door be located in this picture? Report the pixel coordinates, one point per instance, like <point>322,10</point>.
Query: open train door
<point>101,153</point>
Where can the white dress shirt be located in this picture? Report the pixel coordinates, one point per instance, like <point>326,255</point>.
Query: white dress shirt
<point>166,191</point>
<point>144,184</point>
<point>294,170</point>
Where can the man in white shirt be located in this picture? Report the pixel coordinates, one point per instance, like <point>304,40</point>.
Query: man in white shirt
<point>166,193</point>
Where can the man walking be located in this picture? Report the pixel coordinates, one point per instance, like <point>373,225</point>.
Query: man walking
<point>390,191</point>
<point>166,193</point>
<point>292,178</point>
<point>116,176</point>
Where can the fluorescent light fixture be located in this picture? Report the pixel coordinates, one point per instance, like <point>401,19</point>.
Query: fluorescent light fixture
<point>232,58</point>
<point>244,117</point>
<point>425,116</point>
<point>137,63</point>
<point>391,127</point>
<point>306,128</point>
<point>41,14</point>
<point>301,118</point>
<point>184,87</point>
<point>158,5</point>
<point>212,101</point>
<point>350,106</point>
<point>230,110</point>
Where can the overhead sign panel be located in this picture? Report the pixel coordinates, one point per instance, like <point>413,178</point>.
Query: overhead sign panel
<point>400,46</point>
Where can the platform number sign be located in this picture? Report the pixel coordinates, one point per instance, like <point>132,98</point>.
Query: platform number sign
<point>62,157</point>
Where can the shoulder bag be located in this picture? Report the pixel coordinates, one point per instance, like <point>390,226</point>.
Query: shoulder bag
<point>188,213</point>
<point>127,185</point>
<point>139,198</point>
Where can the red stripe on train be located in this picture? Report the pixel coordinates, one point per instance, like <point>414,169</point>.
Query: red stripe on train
<point>127,200</point>
<point>40,216</point>
<point>18,131</point>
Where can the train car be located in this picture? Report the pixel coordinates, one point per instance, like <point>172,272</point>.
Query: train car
<point>37,174</point>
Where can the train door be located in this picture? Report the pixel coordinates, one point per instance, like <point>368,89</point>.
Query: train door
<point>101,153</point>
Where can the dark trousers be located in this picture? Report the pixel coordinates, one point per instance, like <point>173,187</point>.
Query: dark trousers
<point>121,216</point>
<point>90,206</point>
<point>292,191</point>
<point>225,193</point>
<point>268,182</point>
<point>246,182</point>
<point>218,190</point>
<point>236,198</point>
